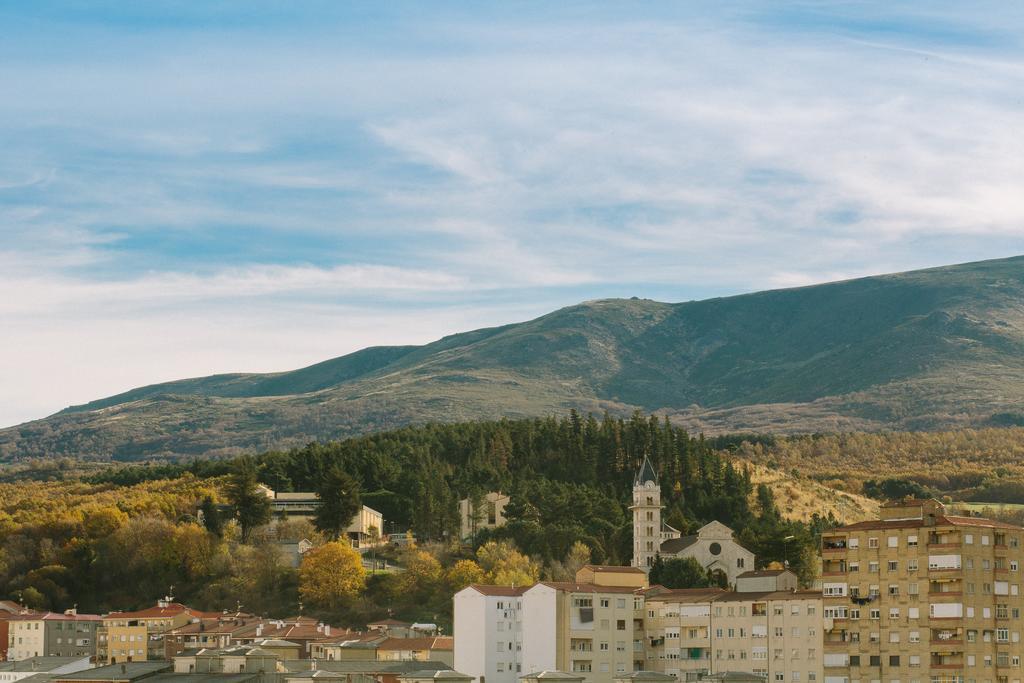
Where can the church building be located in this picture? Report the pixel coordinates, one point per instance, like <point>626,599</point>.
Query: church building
<point>713,546</point>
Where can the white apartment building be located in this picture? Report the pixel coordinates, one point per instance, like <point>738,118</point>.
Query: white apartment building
<point>489,633</point>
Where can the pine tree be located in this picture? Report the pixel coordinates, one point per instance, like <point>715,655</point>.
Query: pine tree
<point>251,506</point>
<point>339,502</point>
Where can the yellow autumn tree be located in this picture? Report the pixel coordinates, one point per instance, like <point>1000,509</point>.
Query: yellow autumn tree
<point>504,565</point>
<point>422,576</point>
<point>331,575</point>
<point>462,574</point>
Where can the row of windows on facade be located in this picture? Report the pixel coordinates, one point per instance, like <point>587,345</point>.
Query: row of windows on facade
<point>700,634</point>
<point>935,610</point>
<point>913,589</point>
<point>939,562</point>
<point>585,667</point>
<point>1001,635</point>
<point>935,539</point>
<point>755,654</point>
<point>587,645</point>
<point>59,641</point>
<point>1002,659</point>
<point>758,609</point>
<point>779,676</point>
<point>620,603</point>
<point>130,638</point>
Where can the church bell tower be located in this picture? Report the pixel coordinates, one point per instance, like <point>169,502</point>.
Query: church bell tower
<point>646,509</point>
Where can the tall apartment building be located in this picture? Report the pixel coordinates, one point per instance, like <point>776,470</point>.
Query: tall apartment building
<point>765,628</point>
<point>489,633</point>
<point>921,595</point>
<point>592,630</point>
<point>51,634</point>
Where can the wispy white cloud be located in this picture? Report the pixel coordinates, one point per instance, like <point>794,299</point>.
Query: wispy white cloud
<point>51,296</point>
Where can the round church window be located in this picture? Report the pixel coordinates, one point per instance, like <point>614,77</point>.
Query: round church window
<point>715,548</point>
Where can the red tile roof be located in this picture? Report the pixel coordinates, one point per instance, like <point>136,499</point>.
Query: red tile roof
<point>612,569</point>
<point>940,520</point>
<point>685,595</point>
<point>172,609</point>
<point>500,591</point>
<point>872,524</point>
<point>54,616</point>
<point>573,587</point>
<point>431,643</point>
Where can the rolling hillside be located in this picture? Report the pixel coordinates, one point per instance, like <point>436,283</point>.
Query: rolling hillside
<point>928,349</point>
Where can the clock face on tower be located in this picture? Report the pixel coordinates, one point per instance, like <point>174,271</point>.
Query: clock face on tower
<point>715,549</point>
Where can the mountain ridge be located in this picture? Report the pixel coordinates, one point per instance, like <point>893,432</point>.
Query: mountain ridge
<point>934,348</point>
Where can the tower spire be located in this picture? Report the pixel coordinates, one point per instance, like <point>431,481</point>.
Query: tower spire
<point>646,509</point>
<point>646,473</point>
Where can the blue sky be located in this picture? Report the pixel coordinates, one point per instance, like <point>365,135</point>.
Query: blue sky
<point>189,188</point>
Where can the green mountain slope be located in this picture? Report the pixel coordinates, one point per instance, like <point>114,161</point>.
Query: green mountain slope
<point>934,348</point>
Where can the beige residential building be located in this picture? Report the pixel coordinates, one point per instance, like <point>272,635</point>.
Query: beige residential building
<point>922,596</point>
<point>775,633</point>
<point>434,649</point>
<point>487,513</point>
<point>586,629</point>
<point>138,636</point>
<point>593,627</point>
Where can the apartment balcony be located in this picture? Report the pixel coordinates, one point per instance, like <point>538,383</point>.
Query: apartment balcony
<point>948,641</point>
<point>941,595</point>
<point>833,545</point>
<point>945,544</point>
<point>834,567</point>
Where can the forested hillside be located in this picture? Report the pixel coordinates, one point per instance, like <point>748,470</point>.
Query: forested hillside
<point>118,538</point>
<point>930,349</point>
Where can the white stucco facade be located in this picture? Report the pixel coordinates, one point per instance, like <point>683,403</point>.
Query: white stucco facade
<point>715,549</point>
<point>540,640</point>
<point>489,633</point>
